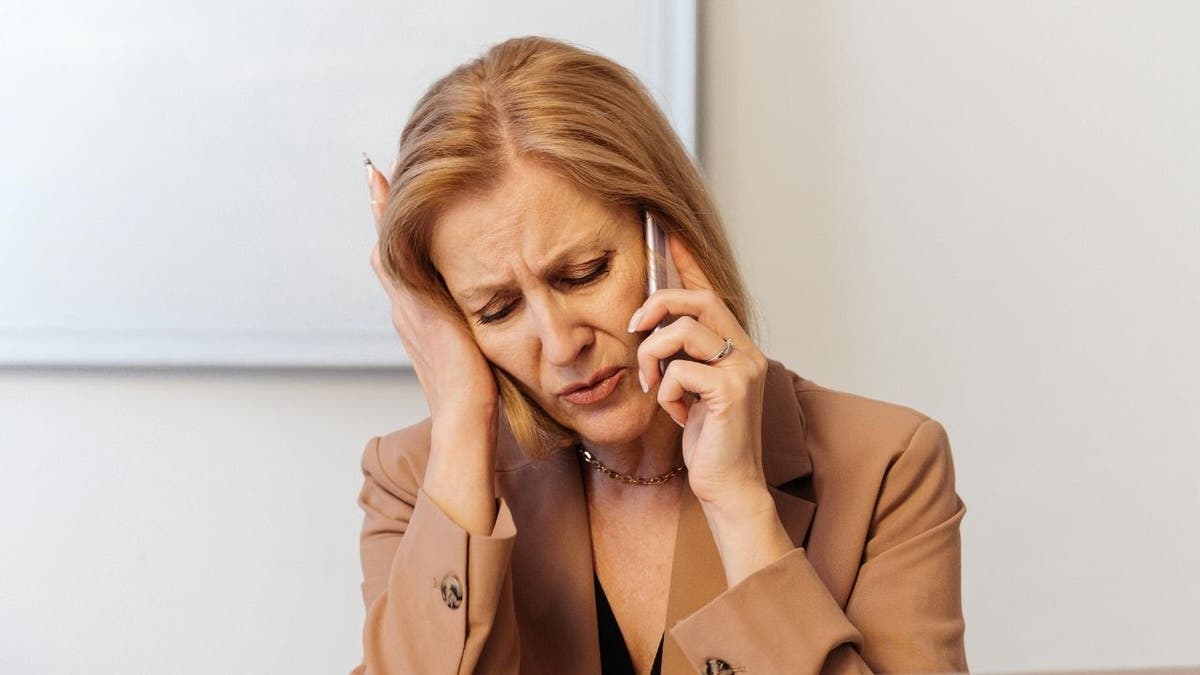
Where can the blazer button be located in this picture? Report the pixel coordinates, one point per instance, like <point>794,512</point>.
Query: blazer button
<point>451,591</point>
<point>719,667</point>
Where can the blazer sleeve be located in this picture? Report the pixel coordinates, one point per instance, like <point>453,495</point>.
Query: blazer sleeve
<point>409,547</point>
<point>904,612</point>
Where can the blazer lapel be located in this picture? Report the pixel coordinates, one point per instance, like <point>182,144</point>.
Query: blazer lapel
<point>786,459</point>
<point>552,560</point>
<point>697,574</point>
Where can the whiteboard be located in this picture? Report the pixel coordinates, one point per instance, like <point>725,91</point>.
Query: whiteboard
<point>182,183</point>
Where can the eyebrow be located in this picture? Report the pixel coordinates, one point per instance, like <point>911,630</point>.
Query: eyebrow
<point>556,265</point>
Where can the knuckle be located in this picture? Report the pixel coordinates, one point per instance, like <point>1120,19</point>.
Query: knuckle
<point>647,362</point>
<point>755,363</point>
<point>653,345</point>
<point>663,395</point>
<point>643,350</point>
<point>735,382</point>
<point>668,373</point>
<point>684,323</point>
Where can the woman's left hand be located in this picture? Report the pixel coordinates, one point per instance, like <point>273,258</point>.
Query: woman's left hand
<point>722,435</point>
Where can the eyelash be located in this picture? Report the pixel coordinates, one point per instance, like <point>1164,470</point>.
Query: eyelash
<point>588,278</point>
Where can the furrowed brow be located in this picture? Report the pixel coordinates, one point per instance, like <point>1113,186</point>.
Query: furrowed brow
<point>555,265</point>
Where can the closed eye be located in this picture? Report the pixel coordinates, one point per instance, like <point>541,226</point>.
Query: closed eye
<point>497,316</point>
<point>595,274</point>
<point>599,270</point>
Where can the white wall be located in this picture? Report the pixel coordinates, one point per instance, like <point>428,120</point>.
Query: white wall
<point>989,211</point>
<point>185,522</point>
<point>982,210</point>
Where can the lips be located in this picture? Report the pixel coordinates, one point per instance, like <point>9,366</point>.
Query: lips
<point>596,389</point>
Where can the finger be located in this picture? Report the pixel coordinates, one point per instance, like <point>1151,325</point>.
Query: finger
<point>704,305</point>
<point>695,339</point>
<point>689,270</point>
<point>681,381</point>
<point>377,187</point>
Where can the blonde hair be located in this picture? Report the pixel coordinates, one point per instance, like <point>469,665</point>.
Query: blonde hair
<point>579,114</point>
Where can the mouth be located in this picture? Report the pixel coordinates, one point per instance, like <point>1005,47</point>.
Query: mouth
<point>595,390</point>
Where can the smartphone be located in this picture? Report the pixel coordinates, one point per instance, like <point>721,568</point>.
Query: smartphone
<point>660,273</point>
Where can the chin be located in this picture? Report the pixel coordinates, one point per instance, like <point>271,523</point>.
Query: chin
<point>620,422</point>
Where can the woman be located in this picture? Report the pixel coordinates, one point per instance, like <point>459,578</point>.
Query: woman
<point>567,507</point>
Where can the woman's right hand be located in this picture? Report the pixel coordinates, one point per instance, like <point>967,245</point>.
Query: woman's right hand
<point>454,374</point>
<point>459,387</point>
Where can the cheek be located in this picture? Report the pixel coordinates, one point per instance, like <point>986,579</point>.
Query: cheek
<point>498,347</point>
<point>508,351</point>
<point>624,296</point>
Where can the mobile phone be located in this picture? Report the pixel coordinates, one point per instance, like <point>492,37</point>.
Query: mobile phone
<point>660,273</point>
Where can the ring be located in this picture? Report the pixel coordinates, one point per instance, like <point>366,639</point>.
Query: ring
<point>723,353</point>
<point>374,202</point>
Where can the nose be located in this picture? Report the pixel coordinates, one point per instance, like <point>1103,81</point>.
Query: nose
<point>562,334</point>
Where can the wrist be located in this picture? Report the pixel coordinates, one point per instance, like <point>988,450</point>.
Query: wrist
<point>465,421</point>
<point>749,535</point>
<point>460,475</point>
<point>465,443</point>
<point>739,504</point>
<point>463,411</point>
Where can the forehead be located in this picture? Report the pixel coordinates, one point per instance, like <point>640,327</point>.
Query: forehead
<point>531,217</point>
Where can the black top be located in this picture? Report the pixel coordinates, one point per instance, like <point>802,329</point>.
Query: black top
<point>614,654</point>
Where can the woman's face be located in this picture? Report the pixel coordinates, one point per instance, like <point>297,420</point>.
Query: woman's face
<point>548,277</point>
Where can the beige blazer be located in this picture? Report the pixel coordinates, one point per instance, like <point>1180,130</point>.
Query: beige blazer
<point>865,489</point>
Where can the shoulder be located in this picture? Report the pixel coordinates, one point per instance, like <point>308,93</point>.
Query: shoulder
<point>847,429</point>
<point>393,465</point>
<point>881,470</point>
<point>871,456</point>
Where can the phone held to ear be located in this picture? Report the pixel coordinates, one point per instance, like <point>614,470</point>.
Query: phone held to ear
<point>660,273</point>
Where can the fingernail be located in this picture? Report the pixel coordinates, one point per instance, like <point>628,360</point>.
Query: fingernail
<point>633,322</point>
<point>642,379</point>
<point>367,163</point>
<point>681,424</point>
<point>391,170</point>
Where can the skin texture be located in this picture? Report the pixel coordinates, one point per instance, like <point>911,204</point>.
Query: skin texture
<point>549,333</point>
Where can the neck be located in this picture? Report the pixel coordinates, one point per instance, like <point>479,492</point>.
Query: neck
<point>654,453</point>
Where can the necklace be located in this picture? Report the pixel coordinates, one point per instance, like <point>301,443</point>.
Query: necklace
<point>633,480</point>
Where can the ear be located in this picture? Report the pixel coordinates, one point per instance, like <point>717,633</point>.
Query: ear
<point>689,270</point>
